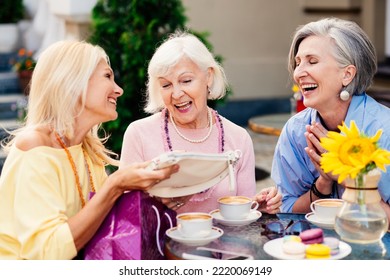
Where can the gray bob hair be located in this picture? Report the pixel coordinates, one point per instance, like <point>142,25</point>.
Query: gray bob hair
<point>351,47</point>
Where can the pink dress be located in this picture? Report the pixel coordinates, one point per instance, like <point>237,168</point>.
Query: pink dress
<point>146,139</point>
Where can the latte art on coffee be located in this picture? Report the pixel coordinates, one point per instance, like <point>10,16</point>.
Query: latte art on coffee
<point>330,203</point>
<point>236,207</point>
<point>195,217</point>
<point>234,200</point>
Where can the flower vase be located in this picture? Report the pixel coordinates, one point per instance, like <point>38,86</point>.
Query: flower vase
<point>24,80</point>
<point>362,219</point>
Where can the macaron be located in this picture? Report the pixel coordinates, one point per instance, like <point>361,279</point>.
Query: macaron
<point>295,250</point>
<point>312,236</point>
<point>333,244</point>
<point>317,251</point>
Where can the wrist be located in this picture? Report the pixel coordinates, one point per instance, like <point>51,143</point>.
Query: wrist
<point>324,185</point>
<point>114,184</point>
<point>321,189</point>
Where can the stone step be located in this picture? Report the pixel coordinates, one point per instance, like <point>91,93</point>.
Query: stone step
<point>9,83</point>
<point>11,105</point>
<point>6,61</point>
<point>6,125</point>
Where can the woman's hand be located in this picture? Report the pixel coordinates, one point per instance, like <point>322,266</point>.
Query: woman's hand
<point>269,200</point>
<point>175,203</point>
<point>138,177</point>
<point>314,150</point>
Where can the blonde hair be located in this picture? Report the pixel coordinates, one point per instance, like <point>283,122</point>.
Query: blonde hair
<point>58,93</point>
<point>178,45</point>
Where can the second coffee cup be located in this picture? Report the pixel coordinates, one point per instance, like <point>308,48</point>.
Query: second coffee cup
<point>236,207</point>
<point>326,209</point>
<point>194,224</point>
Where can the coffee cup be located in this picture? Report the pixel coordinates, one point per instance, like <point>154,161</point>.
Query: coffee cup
<point>326,209</point>
<point>194,224</point>
<point>236,207</point>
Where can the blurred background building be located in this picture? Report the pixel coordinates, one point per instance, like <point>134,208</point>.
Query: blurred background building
<point>252,36</point>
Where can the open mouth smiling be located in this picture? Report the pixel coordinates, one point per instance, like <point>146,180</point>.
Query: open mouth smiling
<point>308,87</point>
<point>112,100</point>
<point>183,106</point>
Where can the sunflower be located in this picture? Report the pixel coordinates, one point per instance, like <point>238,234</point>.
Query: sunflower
<point>351,153</point>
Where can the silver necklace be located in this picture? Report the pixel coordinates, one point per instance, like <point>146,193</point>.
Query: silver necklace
<point>197,140</point>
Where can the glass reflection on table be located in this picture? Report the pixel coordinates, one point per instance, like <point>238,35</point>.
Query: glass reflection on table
<point>249,240</point>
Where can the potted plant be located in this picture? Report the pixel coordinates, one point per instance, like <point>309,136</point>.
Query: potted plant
<point>24,65</point>
<point>129,31</point>
<point>11,12</point>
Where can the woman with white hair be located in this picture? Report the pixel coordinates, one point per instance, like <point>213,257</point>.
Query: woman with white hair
<point>57,158</point>
<point>182,76</point>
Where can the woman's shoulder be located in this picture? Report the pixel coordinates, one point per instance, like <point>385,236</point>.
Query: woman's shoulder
<point>147,122</point>
<point>377,113</point>
<point>32,138</point>
<point>231,126</point>
<point>297,122</point>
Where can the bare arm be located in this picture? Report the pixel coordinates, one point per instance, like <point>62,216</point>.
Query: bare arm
<point>85,223</point>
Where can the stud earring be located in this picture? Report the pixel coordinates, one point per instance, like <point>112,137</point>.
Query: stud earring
<point>344,95</point>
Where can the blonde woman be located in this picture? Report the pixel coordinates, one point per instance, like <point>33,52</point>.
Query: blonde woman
<point>57,158</point>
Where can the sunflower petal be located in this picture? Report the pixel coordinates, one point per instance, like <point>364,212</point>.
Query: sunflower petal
<point>351,152</point>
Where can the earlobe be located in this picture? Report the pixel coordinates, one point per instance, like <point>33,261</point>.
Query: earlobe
<point>210,77</point>
<point>349,74</point>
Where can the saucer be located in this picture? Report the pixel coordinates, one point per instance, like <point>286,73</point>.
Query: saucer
<point>312,218</point>
<point>175,235</point>
<point>252,217</point>
<point>274,249</point>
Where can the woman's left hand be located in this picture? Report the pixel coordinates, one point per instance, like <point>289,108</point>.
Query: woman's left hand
<point>314,150</point>
<point>175,203</point>
<point>269,200</point>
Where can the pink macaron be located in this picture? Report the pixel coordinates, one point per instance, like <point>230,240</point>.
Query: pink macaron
<point>312,236</point>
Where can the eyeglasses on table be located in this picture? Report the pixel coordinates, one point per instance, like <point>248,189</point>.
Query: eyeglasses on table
<point>276,229</point>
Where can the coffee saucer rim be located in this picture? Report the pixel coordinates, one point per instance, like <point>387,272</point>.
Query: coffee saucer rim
<point>256,215</point>
<point>311,217</point>
<point>174,234</point>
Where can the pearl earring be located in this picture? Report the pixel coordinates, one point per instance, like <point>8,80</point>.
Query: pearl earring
<point>344,95</point>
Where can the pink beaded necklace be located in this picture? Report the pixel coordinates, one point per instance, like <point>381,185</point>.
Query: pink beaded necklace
<point>165,114</point>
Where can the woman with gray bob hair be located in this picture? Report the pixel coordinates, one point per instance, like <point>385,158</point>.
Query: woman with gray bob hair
<point>351,46</point>
<point>333,62</point>
<point>177,46</point>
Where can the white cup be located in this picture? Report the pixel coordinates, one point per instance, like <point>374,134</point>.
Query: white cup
<point>236,207</point>
<point>326,209</point>
<point>194,224</point>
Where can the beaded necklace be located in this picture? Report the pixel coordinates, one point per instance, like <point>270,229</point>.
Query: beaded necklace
<point>196,140</point>
<point>218,122</point>
<point>73,165</point>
